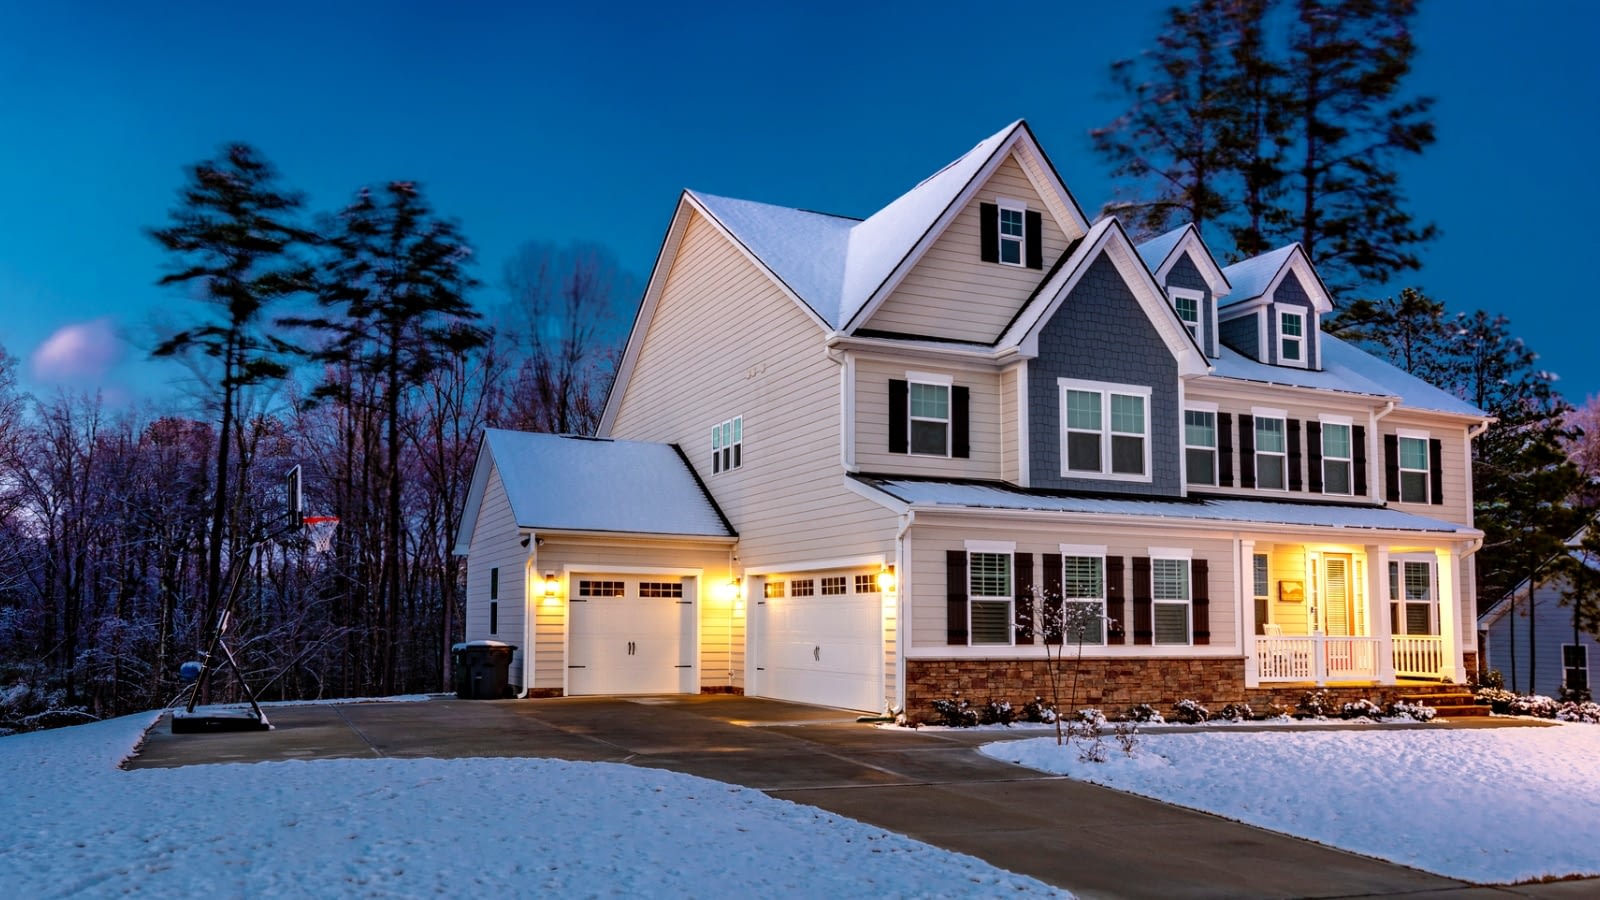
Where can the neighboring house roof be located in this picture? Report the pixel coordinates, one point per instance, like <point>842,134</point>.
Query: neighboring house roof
<point>1502,606</point>
<point>567,483</point>
<point>925,494</point>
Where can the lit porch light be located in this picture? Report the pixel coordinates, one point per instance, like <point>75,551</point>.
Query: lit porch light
<point>886,581</point>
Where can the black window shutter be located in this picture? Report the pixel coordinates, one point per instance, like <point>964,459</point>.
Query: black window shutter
<point>1358,456</point>
<point>1200,588</point>
<point>960,430</point>
<point>989,232</point>
<point>1024,598</point>
<point>1295,482</point>
<point>955,577</point>
<point>1391,467</point>
<point>1436,469</point>
<point>899,416</point>
<point>1052,597</point>
<point>1143,629</point>
<point>1224,450</point>
<point>1116,601</point>
<point>494,583</point>
<point>1034,231</point>
<point>1314,451</point>
<point>1247,451</point>
<point>494,617</point>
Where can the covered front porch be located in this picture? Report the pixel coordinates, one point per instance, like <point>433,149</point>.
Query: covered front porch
<point>1324,614</point>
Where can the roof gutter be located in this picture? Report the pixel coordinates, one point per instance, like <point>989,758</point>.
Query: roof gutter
<point>1170,523</point>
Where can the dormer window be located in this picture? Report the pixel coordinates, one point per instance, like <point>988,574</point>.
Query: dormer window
<point>1011,234</point>
<point>1188,304</point>
<point>1291,338</point>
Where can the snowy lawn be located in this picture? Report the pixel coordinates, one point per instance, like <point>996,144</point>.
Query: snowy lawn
<point>1499,805</point>
<point>72,823</point>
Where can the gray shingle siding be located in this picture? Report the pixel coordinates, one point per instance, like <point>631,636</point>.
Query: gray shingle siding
<point>1185,274</point>
<point>1242,335</point>
<point>1101,333</point>
<point>1291,293</point>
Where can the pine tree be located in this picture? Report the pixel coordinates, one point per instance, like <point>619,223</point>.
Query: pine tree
<point>1412,332</point>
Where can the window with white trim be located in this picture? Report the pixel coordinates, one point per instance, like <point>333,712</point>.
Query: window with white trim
<point>774,589</point>
<point>1292,338</point>
<point>802,587</point>
<point>832,585</point>
<point>1414,469</point>
<point>1200,445</point>
<point>989,598</point>
<point>1336,456</point>
<point>1169,585</point>
<point>727,445</point>
<point>1105,430</point>
<point>929,417</point>
<point>1013,227</point>
<point>1575,667</point>
<point>1261,589</point>
<point>1411,598</point>
<point>866,584</point>
<point>1271,453</point>
<point>1190,306</point>
<point>1083,585</point>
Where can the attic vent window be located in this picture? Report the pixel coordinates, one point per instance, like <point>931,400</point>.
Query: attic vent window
<point>1011,236</point>
<point>1291,339</point>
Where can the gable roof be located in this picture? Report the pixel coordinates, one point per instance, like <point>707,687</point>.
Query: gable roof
<point>1254,278</point>
<point>1161,253</point>
<point>566,483</point>
<point>800,248</point>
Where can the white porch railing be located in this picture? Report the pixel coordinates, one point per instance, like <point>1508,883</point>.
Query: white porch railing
<point>1418,656</point>
<point>1317,658</point>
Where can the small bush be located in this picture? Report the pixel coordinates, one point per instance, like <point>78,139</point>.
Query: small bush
<point>1493,679</point>
<point>1414,711</point>
<point>1236,712</point>
<point>1575,695</point>
<point>1190,712</point>
<point>1579,712</point>
<point>1498,699</point>
<point>1535,705</point>
<point>1314,705</point>
<point>1143,712</point>
<point>1274,711</point>
<point>1361,709</point>
<point>955,712</point>
<point>1039,710</point>
<point>997,712</point>
<point>1127,737</point>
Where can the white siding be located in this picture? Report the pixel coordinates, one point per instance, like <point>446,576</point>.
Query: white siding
<point>986,428</point>
<point>951,292</point>
<point>496,544</point>
<point>1457,506</point>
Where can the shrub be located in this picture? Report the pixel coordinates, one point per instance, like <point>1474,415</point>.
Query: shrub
<point>1236,712</point>
<point>1039,710</point>
<point>1498,699</point>
<point>1361,709</point>
<point>1314,704</point>
<point>1190,712</point>
<point>997,712</point>
<point>1575,695</point>
<point>1143,712</point>
<point>1579,712</point>
<point>1090,715</point>
<point>1415,711</point>
<point>1127,737</point>
<point>955,712</point>
<point>1535,705</point>
<point>1274,711</point>
<point>1493,679</point>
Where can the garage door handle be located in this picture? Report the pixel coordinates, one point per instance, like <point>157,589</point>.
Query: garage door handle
<point>816,653</point>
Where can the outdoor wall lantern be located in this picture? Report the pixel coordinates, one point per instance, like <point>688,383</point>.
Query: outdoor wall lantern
<point>552,586</point>
<point>729,591</point>
<point>886,580</point>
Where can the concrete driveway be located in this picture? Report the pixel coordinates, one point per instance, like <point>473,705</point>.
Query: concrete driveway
<point>932,786</point>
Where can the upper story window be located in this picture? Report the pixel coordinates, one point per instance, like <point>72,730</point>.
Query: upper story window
<point>930,418</point>
<point>989,606</point>
<point>1337,451</point>
<point>1414,469</point>
<point>1012,219</point>
<point>1271,450</point>
<point>1011,234</point>
<point>1292,338</point>
<point>1105,430</point>
<point>727,445</point>
<point>1189,305</point>
<point>1200,445</point>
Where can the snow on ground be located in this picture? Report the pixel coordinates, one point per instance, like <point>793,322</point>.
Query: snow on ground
<point>1494,805</point>
<point>73,824</point>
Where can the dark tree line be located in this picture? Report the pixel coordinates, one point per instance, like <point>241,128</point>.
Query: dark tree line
<point>343,343</point>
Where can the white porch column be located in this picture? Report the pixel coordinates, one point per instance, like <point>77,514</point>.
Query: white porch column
<point>1244,563</point>
<point>1378,609</point>
<point>1449,614</point>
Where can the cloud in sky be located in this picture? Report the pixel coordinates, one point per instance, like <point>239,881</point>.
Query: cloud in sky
<point>80,353</point>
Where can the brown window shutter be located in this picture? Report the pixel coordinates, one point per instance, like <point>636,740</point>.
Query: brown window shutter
<point>1314,451</point>
<point>1391,467</point>
<point>1247,451</point>
<point>1224,449</point>
<point>955,578</point>
<point>1116,601</point>
<point>1436,469</point>
<point>1024,597</point>
<point>960,428</point>
<point>989,232</point>
<point>1200,594</point>
<point>1143,628</point>
<point>899,416</point>
<point>1296,483</point>
<point>1358,458</point>
<point>1034,237</point>
<point>1052,598</point>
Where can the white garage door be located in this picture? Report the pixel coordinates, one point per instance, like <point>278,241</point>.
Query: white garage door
<point>821,641</point>
<point>631,635</point>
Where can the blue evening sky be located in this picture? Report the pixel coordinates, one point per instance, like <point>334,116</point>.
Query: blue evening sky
<point>559,124</point>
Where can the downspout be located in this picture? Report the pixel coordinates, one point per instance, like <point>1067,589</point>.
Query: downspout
<point>1374,453</point>
<point>530,609</point>
<point>902,581</point>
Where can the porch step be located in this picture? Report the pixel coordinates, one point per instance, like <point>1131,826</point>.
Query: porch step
<point>1448,700</point>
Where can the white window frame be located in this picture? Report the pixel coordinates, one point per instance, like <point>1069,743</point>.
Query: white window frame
<point>1350,463</point>
<point>1402,435</point>
<point>929,379</point>
<point>993,548</point>
<point>1198,326</point>
<point>1587,681</point>
<point>1083,551</point>
<point>1105,389</point>
<point>1020,239</point>
<point>1209,409</point>
<point>727,445</point>
<point>1262,592</point>
<point>1172,554</point>
<point>1301,339</point>
<point>1398,601</point>
<point>1257,414</point>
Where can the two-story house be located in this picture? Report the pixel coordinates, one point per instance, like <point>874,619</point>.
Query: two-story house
<point>895,437</point>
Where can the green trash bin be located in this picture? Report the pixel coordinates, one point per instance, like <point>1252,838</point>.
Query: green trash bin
<point>482,669</point>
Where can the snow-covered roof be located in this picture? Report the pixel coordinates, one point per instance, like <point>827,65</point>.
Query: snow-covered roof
<point>567,483</point>
<point>1252,277</point>
<point>1154,251</point>
<point>993,495</point>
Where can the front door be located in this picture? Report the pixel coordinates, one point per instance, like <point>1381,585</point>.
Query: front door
<point>1338,607</point>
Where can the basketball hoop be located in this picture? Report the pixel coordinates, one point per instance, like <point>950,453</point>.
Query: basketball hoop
<point>320,530</point>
